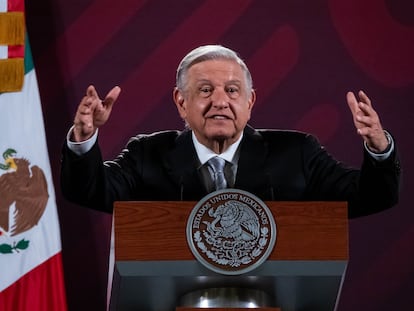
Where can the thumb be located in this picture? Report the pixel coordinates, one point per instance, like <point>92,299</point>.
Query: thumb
<point>112,96</point>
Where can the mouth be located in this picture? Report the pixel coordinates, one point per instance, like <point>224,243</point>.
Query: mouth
<point>219,117</point>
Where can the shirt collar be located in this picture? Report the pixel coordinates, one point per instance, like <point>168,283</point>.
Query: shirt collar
<point>204,154</point>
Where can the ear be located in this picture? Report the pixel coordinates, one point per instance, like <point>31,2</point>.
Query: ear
<point>179,101</point>
<point>251,101</point>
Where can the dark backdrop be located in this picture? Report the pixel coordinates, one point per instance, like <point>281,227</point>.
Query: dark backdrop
<point>304,57</point>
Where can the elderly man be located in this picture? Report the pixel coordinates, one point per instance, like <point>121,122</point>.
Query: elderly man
<point>214,96</point>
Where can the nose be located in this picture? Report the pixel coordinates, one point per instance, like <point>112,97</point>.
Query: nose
<point>220,98</point>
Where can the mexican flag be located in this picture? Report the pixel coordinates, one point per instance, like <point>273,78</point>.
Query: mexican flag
<point>31,271</point>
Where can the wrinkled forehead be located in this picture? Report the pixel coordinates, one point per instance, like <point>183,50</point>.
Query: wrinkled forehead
<point>218,72</point>
<point>219,68</point>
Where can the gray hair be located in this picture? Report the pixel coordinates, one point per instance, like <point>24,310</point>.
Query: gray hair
<point>209,52</point>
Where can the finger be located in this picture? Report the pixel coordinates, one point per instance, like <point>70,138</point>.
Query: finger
<point>365,120</point>
<point>364,98</point>
<point>365,132</point>
<point>84,110</point>
<point>90,99</point>
<point>91,91</point>
<point>111,97</point>
<point>352,103</point>
<point>366,109</point>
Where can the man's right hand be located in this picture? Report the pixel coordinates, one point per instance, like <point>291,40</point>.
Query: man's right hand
<point>92,113</point>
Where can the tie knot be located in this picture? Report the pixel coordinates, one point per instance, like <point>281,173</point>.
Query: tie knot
<point>217,164</point>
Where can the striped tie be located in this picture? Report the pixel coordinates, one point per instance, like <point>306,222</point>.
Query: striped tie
<point>217,166</point>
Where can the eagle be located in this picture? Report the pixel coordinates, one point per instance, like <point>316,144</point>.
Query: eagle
<point>24,186</point>
<point>237,221</point>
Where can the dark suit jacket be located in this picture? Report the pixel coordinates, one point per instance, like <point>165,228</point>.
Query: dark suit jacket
<point>273,165</point>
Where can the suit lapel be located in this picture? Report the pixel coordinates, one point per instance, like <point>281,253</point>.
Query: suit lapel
<point>182,163</point>
<point>251,172</point>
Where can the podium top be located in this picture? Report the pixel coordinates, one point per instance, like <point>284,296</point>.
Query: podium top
<point>156,230</point>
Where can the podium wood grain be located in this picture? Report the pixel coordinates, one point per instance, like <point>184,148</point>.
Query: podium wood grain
<point>156,231</point>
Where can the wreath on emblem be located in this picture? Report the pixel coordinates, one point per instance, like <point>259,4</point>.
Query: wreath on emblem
<point>15,247</point>
<point>233,253</point>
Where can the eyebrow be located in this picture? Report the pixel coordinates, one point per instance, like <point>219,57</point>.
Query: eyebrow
<point>201,81</point>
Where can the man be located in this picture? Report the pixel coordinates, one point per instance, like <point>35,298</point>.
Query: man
<point>215,97</point>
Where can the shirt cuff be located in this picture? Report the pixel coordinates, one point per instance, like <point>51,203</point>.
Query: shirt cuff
<point>82,147</point>
<point>387,152</point>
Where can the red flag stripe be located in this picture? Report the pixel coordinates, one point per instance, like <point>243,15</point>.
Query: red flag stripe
<point>16,51</point>
<point>15,5</point>
<point>40,289</point>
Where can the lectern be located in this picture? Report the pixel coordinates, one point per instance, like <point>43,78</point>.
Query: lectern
<point>155,268</point>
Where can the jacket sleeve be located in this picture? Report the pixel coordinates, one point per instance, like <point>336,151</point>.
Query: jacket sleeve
<point>82,179</point>
<point>372,188</point>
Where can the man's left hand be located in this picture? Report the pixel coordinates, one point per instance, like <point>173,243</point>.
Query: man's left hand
<point>367,122</point>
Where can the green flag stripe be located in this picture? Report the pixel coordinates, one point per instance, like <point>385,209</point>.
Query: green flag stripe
<point>28,59</point>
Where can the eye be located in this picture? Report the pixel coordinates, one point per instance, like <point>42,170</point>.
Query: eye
<point>233,91</point>
<point>205,91</point>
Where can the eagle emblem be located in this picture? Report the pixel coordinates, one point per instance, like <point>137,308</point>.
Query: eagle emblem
<point>231,231</point>
<point>236,220</point>
<point>23,196</point>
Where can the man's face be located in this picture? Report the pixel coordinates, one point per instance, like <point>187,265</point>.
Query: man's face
<point>216,103</point>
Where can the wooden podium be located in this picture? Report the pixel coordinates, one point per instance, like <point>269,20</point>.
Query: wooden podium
<point>155,266</point>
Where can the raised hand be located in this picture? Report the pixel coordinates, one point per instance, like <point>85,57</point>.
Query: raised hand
<point>93,112</point>
<point>367,122</point>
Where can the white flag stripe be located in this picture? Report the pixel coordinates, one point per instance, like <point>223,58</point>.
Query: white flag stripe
<point>3,5</point>
<point>21,123</point>
<point>4,52</point>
